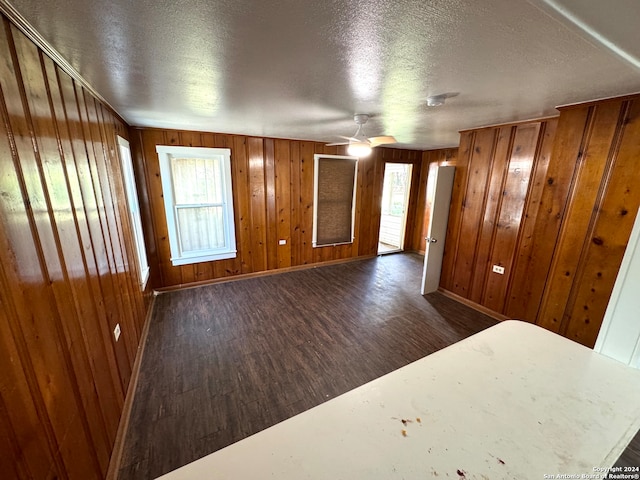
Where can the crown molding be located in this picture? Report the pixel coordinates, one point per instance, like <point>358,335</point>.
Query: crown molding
<point>25,27</point>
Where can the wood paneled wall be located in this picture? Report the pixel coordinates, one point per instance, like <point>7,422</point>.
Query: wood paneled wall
<point>67,274</point>
<point>603,196</point>
<point>273,200</point>
<point>553,202</point>
<point>430,159</point>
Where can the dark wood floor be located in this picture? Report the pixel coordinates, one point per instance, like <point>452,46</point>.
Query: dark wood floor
<point>225,361</point>
<point>631,456</point>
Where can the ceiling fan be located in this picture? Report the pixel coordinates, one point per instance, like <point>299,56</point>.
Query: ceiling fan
<point>360,145</point>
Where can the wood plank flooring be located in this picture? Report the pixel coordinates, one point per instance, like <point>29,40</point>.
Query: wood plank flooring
<point>225,361</point>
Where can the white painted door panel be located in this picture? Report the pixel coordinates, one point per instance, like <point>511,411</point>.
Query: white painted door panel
<point>439,200</point>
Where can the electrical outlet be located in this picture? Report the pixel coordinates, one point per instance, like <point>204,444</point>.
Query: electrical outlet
<point>116,332</point>
<point>498,269</point>
<point>282,242</point>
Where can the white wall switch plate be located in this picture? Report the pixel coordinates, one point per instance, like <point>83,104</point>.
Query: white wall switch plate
<point>116,332</point>
<point>498,269</point>
<point>282,242</point>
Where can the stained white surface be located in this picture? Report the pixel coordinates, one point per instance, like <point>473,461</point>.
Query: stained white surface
<point>514,401</point>
<point>301,69</point>
<point>619,335</point>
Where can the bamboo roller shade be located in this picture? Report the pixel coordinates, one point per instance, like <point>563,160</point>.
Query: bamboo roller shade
<point>336,178</point>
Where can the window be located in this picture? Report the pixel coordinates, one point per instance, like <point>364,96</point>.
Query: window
<point>134,210</point>
<point>198,202</point>
<point>334,199</point>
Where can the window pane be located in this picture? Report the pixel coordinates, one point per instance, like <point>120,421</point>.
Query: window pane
<point>198,198</point>
<point>197,180</point>
<point>134,209</point>
<point>200,228</point>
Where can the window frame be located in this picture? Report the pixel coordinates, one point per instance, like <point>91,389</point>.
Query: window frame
<point>316,170</point>
<point>133,205</point>
<point>178,257</point>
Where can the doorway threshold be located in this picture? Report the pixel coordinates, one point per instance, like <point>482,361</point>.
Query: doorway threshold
<point>384,248</point>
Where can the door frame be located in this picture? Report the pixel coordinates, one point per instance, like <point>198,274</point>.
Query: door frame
<point>406,202</point>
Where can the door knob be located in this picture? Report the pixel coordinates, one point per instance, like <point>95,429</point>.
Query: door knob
<point>431,240</point>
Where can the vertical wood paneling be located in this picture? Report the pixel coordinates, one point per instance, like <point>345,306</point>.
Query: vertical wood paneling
<point>143,186</point>
<point>89,232</point>
<point>562,222</point>
<point>117,301</point>
<point>168,273</point>
<point>242,202</point>
<point>53,367</point>
<point>454,223</point>
<point>307,151</point>
<point>75,243</point>
<point>271,234</point>
<point>76,291</point>
<point>473,204</point>
<point>127,271</point>
<point>411,225</point>
<point>366,231</point>
<point>498,177</point>
<point>12,463</point>
<point>498,172</point>
<point>511,206</point>
<point>607,239</point>
<point>422,214</point>
<point>35,444</point>
<point>66,277</point>
<point>273,200</point>
<point>258,213</point>
<point>591,165</point>
<point>283,193</point>
<point>420,219</point>
<point>535,245</point>
<point>296,205</point>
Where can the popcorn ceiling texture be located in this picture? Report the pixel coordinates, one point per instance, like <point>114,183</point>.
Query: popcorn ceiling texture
<point>301,69</point>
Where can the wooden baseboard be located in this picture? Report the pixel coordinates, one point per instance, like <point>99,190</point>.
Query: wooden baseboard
<point>476,306</point>
<point>244,276</point>
<point>118,446</point>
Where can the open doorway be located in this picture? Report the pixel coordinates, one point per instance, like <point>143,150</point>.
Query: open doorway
<point>395,201</point>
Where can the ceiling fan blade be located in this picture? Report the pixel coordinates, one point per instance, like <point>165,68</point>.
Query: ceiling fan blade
<point>334,144</point>
<point>375,141</point>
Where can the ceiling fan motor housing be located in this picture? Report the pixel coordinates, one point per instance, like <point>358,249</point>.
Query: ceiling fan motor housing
<point>360,118</point>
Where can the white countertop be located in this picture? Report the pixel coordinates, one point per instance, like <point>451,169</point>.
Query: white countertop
<point>514,401</point>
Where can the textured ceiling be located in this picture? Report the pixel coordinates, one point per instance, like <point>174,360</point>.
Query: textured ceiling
<point>302,68</point>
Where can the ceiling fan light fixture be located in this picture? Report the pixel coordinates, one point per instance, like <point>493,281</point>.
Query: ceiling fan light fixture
<point>359,145</point>
<point>436,100</point>
<point>359,149</point>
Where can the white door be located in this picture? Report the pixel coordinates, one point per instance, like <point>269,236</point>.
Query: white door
<point>438,200</point>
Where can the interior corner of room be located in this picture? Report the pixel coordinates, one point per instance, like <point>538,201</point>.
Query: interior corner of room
<point>108,169</point>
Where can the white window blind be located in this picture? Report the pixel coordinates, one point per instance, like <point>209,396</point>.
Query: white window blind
<point>198,197</point>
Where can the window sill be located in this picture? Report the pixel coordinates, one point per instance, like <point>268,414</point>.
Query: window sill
<point>203,258</point>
